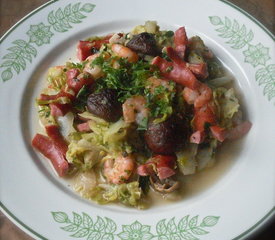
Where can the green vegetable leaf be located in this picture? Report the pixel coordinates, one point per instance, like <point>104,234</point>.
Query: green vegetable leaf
<point>142,125</point>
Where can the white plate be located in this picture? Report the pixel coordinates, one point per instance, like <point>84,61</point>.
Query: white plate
<point>236,204</point>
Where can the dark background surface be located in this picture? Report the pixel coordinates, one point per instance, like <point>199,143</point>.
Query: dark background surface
<point>13,10</point>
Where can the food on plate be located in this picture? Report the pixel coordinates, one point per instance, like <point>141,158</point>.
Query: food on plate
<point>138,112</point>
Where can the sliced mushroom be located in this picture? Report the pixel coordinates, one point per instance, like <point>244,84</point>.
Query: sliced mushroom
<point>144,43</point>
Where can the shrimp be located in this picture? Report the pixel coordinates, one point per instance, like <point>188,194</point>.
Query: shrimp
<point>125,52</point>
<point>118,170</point>
<point>198,97</point>
<point>134,109</point>
<point>95,70</point>
<point>156,82</point>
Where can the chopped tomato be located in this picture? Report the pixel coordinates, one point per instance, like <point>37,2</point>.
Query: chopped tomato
<point>49,149</point>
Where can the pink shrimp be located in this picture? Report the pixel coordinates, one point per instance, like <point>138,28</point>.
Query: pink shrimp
<point>95,70</point>
<point>134,109</point>
<point>154,82</point>
<point>198,97</point>
<point>124,52</point>
<point>118,170</point>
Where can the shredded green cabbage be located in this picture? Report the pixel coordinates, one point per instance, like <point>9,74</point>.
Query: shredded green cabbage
<point>206,154</point>
<point>56,77</point>
<point>126,193</point>
<point>84,151</point>
<point>87,149</point>
<point>227,105</point>
<point>186,159</point>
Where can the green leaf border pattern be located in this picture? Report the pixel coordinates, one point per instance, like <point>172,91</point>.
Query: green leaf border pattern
<point>22,51</point>
<point>83,226</point>
<point>239,37</point>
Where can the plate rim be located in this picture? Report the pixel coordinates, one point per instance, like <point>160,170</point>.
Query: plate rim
<point>259,225</point>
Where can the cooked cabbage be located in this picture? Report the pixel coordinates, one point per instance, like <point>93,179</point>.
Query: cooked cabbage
<point>186,159</point>
<point>206,155</point>
<point>126,193</point>
<point>149,26</point>
<point>227,105</point>
<point>56,77</point>
<point>111,135</point>
<point>84,150</point>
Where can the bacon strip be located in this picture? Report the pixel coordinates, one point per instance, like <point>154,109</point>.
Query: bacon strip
<point>58,109</point>
<point>163,165</point>
<point>58,140</point>
<point>84,48</point>
<point>47,147</point>
<point>178,73</point>
<point>181,41</point>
